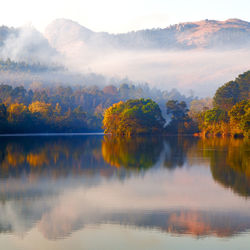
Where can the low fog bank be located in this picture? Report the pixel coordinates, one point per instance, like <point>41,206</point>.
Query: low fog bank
<point>201,71</point>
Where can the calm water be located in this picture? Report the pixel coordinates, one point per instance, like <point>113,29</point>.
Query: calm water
<point>95,192</point>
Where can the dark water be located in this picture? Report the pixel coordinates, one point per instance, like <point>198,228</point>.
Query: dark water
<point>95,192</point>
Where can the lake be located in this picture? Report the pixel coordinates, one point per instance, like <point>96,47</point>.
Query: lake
<point>97,192</point>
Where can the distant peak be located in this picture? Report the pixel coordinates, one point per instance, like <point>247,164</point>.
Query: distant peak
<point>63,22</point>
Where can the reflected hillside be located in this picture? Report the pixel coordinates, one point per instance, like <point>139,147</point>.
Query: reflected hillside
<point>178,222</point>
<point>195,223</point>
<point>136,153</point>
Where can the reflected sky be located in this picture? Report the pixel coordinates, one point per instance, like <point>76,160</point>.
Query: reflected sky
<point>59,189</point>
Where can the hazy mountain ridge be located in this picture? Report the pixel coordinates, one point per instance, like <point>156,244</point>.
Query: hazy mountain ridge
<point>232,33</point>
<point>193,55</point>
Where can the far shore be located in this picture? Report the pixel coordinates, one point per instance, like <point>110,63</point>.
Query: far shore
<point>51,134</point>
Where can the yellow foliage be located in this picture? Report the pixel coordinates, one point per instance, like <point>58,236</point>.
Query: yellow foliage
<point>17,111</point>
<point>39,159</point>
<point>40,107</point>
<point>111,118</point>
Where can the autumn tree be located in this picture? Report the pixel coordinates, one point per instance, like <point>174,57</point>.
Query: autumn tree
<point>138,153</point>
<point>214,122</point>
<point>138,116</point>
<point>17,113</point>
<point>19,119</point>
<point>41,109</point>
<point>240,118</point>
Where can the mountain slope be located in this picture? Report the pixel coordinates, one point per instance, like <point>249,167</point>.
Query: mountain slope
<point>232,33</point>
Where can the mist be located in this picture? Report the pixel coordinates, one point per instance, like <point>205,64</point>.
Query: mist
<point>101,59</point>
<point>201,71</point>
<point>28,45</point>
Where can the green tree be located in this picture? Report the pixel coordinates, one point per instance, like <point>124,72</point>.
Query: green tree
<point>180,121</point>
<point>214,122</point>
<point>227,95</point>
<point>138,116</point>
<point>232,92</point>
<point>240,118</point>
<point>244,85</point>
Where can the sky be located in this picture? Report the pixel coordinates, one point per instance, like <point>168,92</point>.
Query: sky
<point>116,16</point>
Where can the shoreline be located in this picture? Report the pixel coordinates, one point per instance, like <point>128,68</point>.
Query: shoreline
<point>50,134</point>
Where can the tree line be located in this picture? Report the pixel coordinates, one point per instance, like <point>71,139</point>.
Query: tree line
<point>67,109</point>
<point>125,110</point>
<point>228,113</point>
<point>12,66</point>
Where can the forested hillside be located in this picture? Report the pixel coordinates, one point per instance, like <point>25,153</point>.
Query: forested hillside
<point>68,109</point>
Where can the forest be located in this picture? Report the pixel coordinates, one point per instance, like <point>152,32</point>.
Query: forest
<point>43,109</point>
<point>228,113</point>
<point>124,109</point>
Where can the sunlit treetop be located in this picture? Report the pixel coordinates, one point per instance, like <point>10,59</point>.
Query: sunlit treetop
<point>138,116</point>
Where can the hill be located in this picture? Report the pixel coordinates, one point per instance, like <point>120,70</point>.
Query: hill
<point>232,33</point>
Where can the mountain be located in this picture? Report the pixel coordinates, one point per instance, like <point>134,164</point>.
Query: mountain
<point>231,34</point>
<point>193,55</point>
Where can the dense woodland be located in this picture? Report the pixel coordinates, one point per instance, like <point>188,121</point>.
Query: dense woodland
<point>68,109</point>
<point>231,112</point>
<point>125,109</point>
<point>227,114</point>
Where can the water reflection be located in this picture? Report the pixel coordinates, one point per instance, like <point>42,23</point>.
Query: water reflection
<point>50,156</point>
<point>61,184</point>
<point>229,161</point>
<point>136,154</point>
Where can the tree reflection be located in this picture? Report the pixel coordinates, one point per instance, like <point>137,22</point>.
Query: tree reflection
<point>49,155</point>
<point>133,153</point>
<point>229,162</point>
<point>176,149</point>
<point>59,208</point>
<point>228,158</point>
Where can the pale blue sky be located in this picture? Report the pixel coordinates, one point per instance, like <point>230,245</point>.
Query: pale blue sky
<point>120,16</point>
